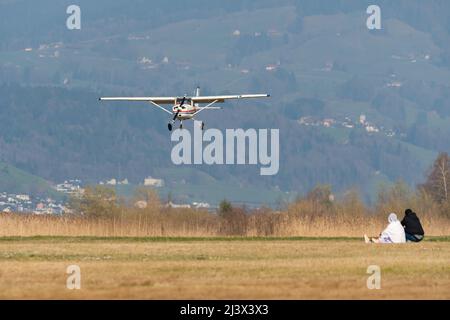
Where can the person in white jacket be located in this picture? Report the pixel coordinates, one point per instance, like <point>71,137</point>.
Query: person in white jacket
<point>394,232</point>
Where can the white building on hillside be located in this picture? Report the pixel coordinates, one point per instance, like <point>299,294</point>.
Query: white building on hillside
<point>23,197</point>
<point>153,182</point>
<point>112,182</point>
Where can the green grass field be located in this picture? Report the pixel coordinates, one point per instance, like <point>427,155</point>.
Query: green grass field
<point>222,268</point>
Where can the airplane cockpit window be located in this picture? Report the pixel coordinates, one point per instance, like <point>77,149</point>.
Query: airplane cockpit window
<point>186,101</point>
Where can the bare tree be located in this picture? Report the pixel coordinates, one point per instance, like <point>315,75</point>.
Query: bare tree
<point>438,180</point>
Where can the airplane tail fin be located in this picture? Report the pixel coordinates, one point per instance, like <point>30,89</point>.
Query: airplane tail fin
<point>197,94</point>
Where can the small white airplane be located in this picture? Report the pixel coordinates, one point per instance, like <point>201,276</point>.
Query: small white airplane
<point>185,108</point>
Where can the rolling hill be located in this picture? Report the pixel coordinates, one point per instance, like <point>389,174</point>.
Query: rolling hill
<point>16,181</point>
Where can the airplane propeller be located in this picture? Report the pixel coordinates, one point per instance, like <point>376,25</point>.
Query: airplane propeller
<point>179,109</point>
<point>169,125</point>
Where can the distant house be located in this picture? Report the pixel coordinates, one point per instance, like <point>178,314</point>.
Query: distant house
<point>329,65</point>
<point>145,60</point>
<point>308,121</point>
<point>348,125</point>
<point>274,33</point>
<point>153,182</point>
<point>328,122</point>
<point>23,197</point>
<point>395,84</point>
<point>371,128</point>
<point>362,119</point>
<point>141,204</point>
<point>201,205</point>
<point>178,206</point>
<point>112,182</point>
<point>271,67</point>
<point>390,134</point>
<point>70,187</point>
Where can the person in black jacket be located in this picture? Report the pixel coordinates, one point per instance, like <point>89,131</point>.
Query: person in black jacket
<point>413,228</point>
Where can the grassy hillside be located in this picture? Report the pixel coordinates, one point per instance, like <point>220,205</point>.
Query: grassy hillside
<point>13,180</point>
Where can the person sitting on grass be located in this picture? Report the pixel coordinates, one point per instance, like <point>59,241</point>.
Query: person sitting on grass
<point>413,228</point>
<point>394,232</point>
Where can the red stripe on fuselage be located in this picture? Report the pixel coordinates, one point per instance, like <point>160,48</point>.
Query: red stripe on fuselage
<point>185,112</point>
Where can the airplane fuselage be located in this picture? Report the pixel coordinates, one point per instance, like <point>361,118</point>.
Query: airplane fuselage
<point>184,112</point>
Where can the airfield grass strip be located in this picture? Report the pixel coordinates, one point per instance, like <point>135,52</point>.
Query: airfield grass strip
<point>191,239</point>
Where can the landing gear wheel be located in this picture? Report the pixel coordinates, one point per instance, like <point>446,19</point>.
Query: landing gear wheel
<point>169,126</point>
<point>202,126</point>
<point>181,126</point>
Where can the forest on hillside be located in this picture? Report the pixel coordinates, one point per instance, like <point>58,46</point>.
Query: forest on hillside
<point>316,59</point>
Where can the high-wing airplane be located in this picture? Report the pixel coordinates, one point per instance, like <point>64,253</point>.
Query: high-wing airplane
<point>185,108</point>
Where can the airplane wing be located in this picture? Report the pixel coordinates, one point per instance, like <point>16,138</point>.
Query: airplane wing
<point>220,99</point>
<point>158,100</point>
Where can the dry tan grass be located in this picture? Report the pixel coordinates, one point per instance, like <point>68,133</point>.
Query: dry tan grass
<point>202,224</point>
<point>30,225</point>
<point>224,268</point>
<point>104,214</point>
<point>130,269</point>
